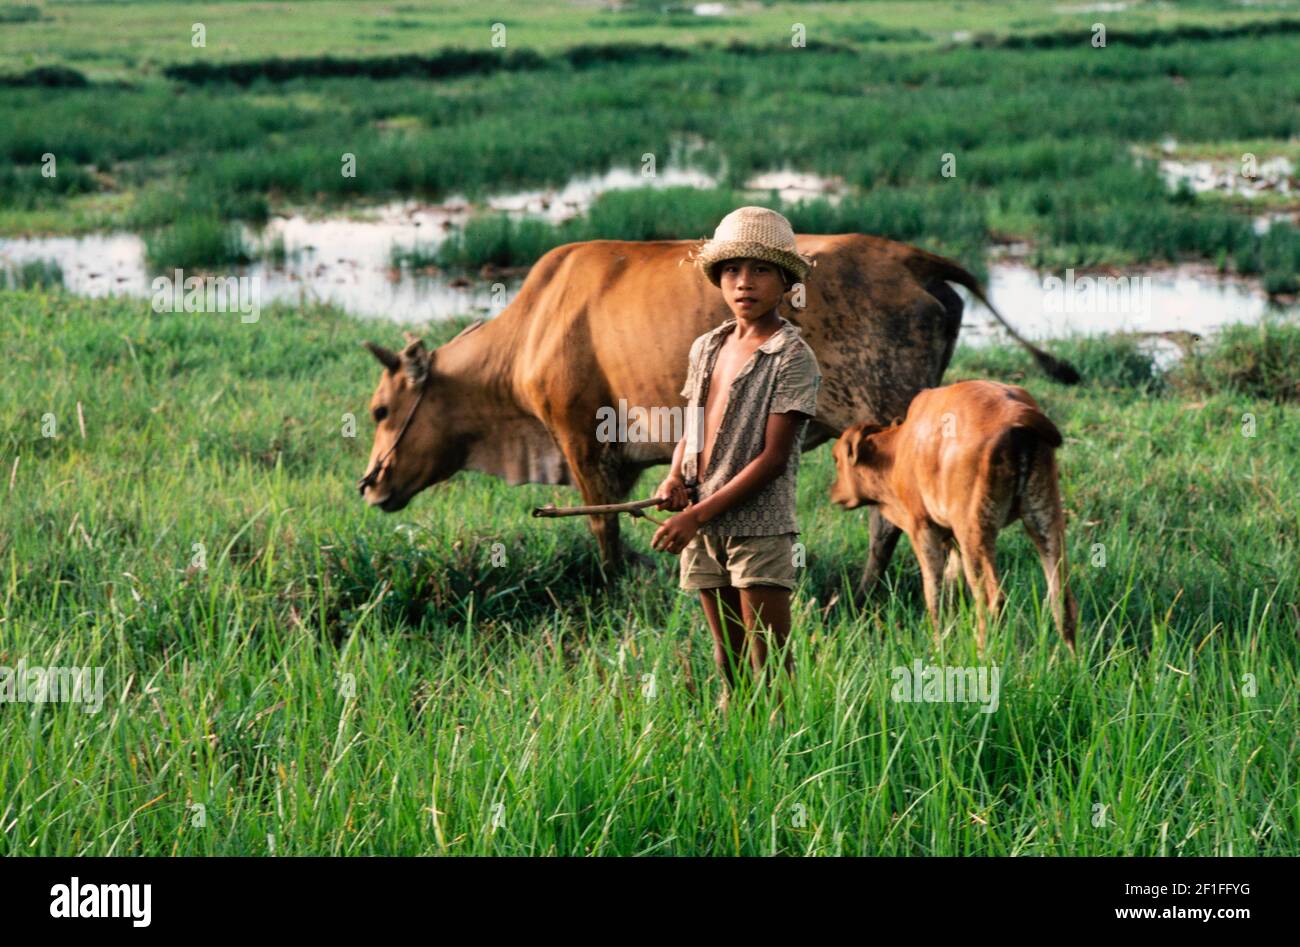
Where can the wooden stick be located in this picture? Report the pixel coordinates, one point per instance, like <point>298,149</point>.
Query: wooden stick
<point>635,507</point>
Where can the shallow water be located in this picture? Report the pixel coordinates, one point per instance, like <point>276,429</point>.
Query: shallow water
<point>1178,299</point>
<point>1276,175</point>
<point>346,260</point>
<point>343,262</point>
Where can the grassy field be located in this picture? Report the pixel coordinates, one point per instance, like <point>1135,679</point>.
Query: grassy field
<point>1053,145</point>
<point>122,40</point>
<point>287,671</point>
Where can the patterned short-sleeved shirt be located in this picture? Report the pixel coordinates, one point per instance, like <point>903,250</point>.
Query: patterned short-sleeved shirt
<point>782,375</point>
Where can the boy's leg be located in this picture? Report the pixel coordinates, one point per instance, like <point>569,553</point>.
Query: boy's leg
<point>763,568</point>
<point>703,569</point>
<point>722,608</point>
<point>765,610</point>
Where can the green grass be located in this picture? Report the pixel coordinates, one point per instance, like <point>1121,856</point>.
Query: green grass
<point>1254,361</point>
<point>197,241</point>
<point>125,39</point>
<point>880,115</point>
<point>34,274</point>
<point>945,225</point>
<point>338,681</point>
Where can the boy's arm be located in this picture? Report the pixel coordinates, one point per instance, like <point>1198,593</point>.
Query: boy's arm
<point>672,490</point>
<point>778,441</point>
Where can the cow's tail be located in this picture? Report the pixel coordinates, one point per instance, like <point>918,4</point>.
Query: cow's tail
<point>926,266</point>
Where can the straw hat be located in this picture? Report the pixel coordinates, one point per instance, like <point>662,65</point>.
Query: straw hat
<point>756,233</point>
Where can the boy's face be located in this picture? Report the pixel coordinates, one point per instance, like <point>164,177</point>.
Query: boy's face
<point>752,288</point>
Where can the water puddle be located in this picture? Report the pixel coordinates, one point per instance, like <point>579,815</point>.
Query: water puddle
<point>795,186</point>
<point>1228,176</point>
<point>577,196</point>
<point>1164,307</point>
<point>338,261</point>
<point>347,261</point>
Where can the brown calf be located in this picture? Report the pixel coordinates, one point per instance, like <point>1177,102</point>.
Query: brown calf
<point>967,460</point>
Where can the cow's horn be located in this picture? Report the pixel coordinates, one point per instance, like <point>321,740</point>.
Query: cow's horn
<point>387,357</point>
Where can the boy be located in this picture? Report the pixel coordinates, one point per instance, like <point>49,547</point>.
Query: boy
<point>755,381</point>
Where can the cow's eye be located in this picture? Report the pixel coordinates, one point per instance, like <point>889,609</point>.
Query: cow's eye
<point>380,413</point>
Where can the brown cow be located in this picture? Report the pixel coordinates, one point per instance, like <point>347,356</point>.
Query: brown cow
<point>596,322</point>
<point>969,459</point>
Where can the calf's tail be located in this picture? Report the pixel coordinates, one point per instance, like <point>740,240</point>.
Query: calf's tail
<point>1031,431</point>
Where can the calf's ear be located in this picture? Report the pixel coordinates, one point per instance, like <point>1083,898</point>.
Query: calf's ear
<point>854,443</point>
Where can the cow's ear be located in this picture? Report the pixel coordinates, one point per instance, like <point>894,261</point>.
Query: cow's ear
<point>415,360</point>
<point>387,357</point>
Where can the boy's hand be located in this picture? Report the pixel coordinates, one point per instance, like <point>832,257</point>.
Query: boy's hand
<point>676,533</point>
<point>672,494</point>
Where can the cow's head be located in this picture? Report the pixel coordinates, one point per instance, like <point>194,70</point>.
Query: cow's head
<point>413,447</point>
<point>860,467</point>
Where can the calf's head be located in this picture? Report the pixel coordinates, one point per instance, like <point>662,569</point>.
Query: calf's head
<point>861,465</point>
<point>413,446</point>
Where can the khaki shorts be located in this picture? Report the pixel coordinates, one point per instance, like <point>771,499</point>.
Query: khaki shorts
<point>715,562</point>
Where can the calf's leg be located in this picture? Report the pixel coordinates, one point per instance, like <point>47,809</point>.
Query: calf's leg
<point>952,574</point>
<point>978,548</point>
<point>930,546</point>
<point>1044,521</point>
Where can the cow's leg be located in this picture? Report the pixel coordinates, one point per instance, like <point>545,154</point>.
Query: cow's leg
<point>884,538</point>
<point>625,479</point>
<point>600,480</point>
